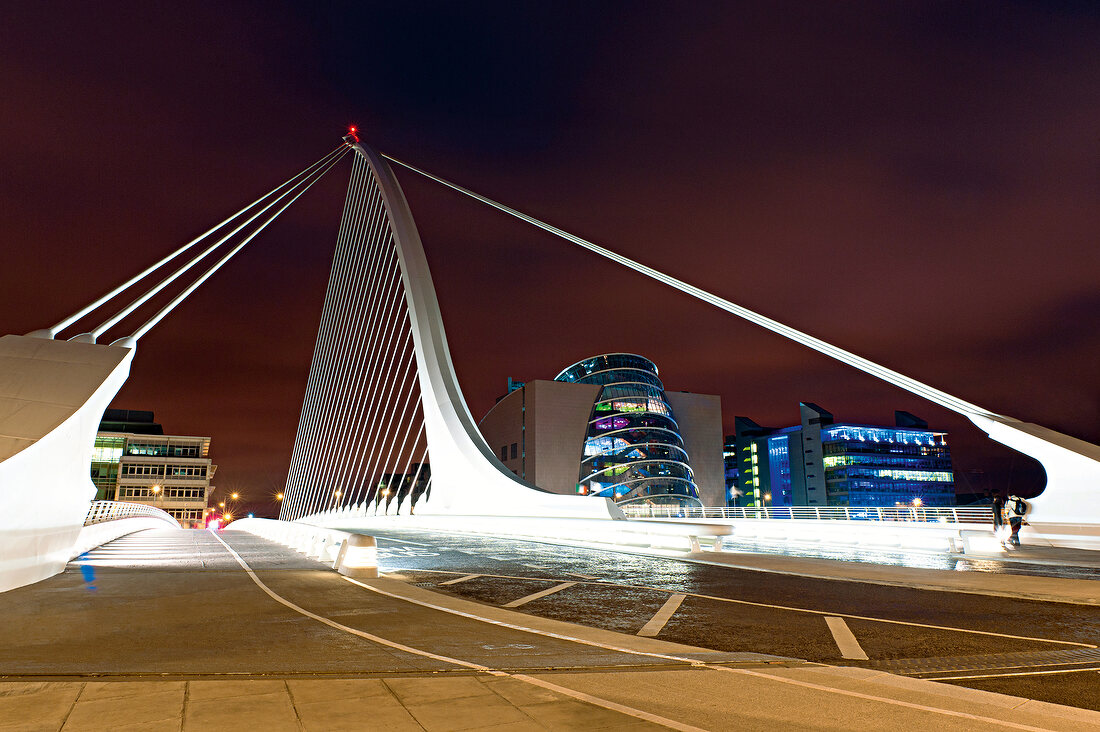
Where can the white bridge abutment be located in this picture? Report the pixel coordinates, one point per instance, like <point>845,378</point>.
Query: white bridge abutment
<point>1067,512</point>
<point>52,398</point>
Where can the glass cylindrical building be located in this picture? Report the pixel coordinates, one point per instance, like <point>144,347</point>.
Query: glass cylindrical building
<point>633,451</point>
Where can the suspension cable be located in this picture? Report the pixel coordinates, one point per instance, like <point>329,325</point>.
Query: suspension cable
<point>889,375</point>
<point>149,324</point>
<point>66,322</point>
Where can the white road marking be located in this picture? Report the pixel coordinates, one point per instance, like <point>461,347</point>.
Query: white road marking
<point>797,609</point>
<point>402,541</point>
<point>537,595</point>
<point>578,695</point>
<point>1012,673</point>
<point>456,580</point>
<point>845,641</point>
<point>582,576</point>
<point>391,552</point>
<point>872,697</point>
<point>658,621</point>
<point>606,704</point>
<point>693,662</point>
<point>548,634</point>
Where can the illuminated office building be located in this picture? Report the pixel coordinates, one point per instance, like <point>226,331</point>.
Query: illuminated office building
<point>606,427</point>
<point>729,470</point>
<point>135,461</point>
<point>820,463</point>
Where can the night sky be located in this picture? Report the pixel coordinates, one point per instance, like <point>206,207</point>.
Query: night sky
<point>915,182</point>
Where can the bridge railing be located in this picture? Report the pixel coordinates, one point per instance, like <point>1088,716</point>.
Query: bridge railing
<point>100,511</point>
<point>922,514</point>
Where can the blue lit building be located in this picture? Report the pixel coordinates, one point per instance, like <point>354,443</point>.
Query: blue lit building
<point>821,463</point>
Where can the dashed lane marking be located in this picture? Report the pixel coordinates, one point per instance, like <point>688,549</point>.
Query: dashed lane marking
<point>661,618</point>
<point>845,640</point>
<point>456,580</point>
<point>538,595</point>
<point>750,603</point>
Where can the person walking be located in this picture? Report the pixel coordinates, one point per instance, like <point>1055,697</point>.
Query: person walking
<point>1017,510</point>
<point>999,529</point>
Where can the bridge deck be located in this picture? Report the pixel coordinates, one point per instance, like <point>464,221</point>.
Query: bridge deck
<point>164,628</point>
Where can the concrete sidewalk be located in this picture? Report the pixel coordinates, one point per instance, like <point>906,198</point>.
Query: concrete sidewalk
<point>323,653</point>
<point>804,698</point>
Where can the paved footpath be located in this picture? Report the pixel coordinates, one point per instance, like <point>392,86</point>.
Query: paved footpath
<point>187,630</point>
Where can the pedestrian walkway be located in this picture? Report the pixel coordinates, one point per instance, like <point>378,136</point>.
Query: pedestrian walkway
<point>248,635</point>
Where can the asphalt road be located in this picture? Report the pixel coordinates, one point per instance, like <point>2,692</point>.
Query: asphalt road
<point>1034,649</point>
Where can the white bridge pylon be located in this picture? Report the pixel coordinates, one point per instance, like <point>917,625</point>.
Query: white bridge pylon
<point>353,454</point>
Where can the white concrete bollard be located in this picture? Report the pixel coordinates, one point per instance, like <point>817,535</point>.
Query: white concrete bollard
<point>359,557</point>
<point>341,548</point>
<point>315,544</point>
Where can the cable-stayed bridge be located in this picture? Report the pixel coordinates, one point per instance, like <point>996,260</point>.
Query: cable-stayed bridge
<point>384,427</point>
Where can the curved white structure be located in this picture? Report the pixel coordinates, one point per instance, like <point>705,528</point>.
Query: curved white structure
<point>466,477</point>
<point>1067,512</point>
<point>52,396</point>
<point>109,520</point>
